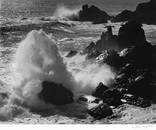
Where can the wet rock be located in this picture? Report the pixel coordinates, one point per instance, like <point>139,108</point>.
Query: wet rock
<point>83,99</point>
<point>55,93</point>
<point>71,53</point>
<point>93,54</point>
<point>100,111</point>
<point>112,97</point>
<point>141,57</point>
<point>110,57</point>
<point>4,98</point>
<point>93,14</point>
<point>107,41</point>
<point>99,90</point>
<point>137,101</point>
<point>90,48</point>
<point>97,100</point>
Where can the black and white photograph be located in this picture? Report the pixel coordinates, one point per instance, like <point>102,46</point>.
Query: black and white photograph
<point>78,62</point>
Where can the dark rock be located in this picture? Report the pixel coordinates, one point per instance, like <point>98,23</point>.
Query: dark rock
<point>144,13</point>
<point>24,18</point>
<point>110,57</point>
<point>97,100</point>
<point>107,41</point>
<point>137,101</point>
<point>55,93</point>
<point>142,57</point>
<point>132,34</point>
<point>71,53</point>
<point>82,98</point>
<point>93,54</point>
<point>4,98</point>
<point>112,97</point>
<point>100,111</point>
<point>90,48</point>
<point>141,87</point>
<point>93,14</point>
<point>125,15</point>
<point>100,90</point>
<point>136,73</point>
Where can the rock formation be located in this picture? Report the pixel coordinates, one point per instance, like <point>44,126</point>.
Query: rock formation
<point>55,93</point>
<point>93,14</point>
<point>144,13</point>
<point>132,34</point>
<point>106,41</point>
<point>71,53</point>
<point>134,63</point>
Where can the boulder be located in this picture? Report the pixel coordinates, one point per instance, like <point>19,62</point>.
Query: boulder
<point>100,111</point>
<point>93,14</point>
<point>55,93</point>
<point>82,98</point>
<point>71,53</point>
<point>112,97</point>
<point>137,101</point>
<point>101,88</point>
<point>125,15</point>
<point>138,56</point>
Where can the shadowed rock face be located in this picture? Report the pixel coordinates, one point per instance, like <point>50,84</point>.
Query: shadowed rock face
<point>144,13</point>
<point>134,65</point>
<point>55,93</point>
<point>93,14</point>
<point>106,41</point>
<point>99,90</point>
<point>125,15</point>
<point>131,34</point>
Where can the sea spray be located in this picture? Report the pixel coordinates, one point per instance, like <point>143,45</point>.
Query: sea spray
<point>38,59</point>
<point>88,74</point>
<point>63,11</point>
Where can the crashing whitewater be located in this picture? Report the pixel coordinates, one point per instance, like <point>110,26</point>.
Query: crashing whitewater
<point>38,59</point>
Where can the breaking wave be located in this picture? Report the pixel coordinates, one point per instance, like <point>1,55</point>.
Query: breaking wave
<point>38,59</point>
<point>63,11</point>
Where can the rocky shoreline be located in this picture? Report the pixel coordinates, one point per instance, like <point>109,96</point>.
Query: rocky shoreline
<point>133,62</point>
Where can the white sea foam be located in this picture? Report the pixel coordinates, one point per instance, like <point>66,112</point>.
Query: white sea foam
<point>63,11</point>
